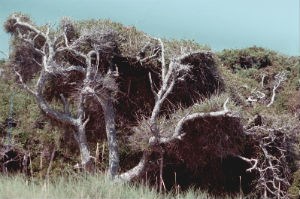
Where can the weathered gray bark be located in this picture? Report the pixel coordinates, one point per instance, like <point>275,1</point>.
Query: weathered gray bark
<point>111,133</point>
<point>280,77</point>
<point>136,171</point>
<point>83,147</point>
<point>66,118</point>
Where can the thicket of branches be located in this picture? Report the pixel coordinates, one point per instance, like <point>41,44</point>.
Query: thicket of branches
<point>79,75</point>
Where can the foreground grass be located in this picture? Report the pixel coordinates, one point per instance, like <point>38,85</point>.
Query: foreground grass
<point>97,186</point>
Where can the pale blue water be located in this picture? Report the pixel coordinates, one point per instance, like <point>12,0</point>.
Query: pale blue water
<point>220,24</point>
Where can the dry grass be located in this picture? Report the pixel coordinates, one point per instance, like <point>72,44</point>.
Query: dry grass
<point>96,186</point>
<point>133,40</point>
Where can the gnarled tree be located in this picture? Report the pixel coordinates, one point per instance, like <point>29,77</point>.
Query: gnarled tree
<point>42,52</point>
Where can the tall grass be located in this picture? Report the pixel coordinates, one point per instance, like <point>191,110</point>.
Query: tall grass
<point>88,186</point>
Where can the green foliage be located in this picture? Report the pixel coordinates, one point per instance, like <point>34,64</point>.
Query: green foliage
<point>25,111</point>
<point>253,57</point>
<point>241,82</point>
<point>248,73</point>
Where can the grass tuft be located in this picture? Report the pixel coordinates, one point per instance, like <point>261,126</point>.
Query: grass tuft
<point>85,186</point>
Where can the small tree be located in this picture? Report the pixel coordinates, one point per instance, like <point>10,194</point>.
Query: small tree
<point>43,52</point>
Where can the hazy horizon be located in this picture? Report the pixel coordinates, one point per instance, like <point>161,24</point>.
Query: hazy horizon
<point>272,24</point>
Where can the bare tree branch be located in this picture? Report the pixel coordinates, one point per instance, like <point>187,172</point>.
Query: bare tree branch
<point>271,166</point>
<point>27,26</point>
<point>163,62</point>
<point>263,80</point>
<point>152,87</point>
<point>280,77</point>
<point>178,129</point>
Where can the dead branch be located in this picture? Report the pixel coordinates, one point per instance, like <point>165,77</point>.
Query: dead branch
<point>255,96</point>
<point>271,166</point>
<point>263,80</point>
<point>279,78</point>
<point>178,134</point>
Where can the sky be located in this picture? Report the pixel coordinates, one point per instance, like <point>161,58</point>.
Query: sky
<point>220,24</point>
